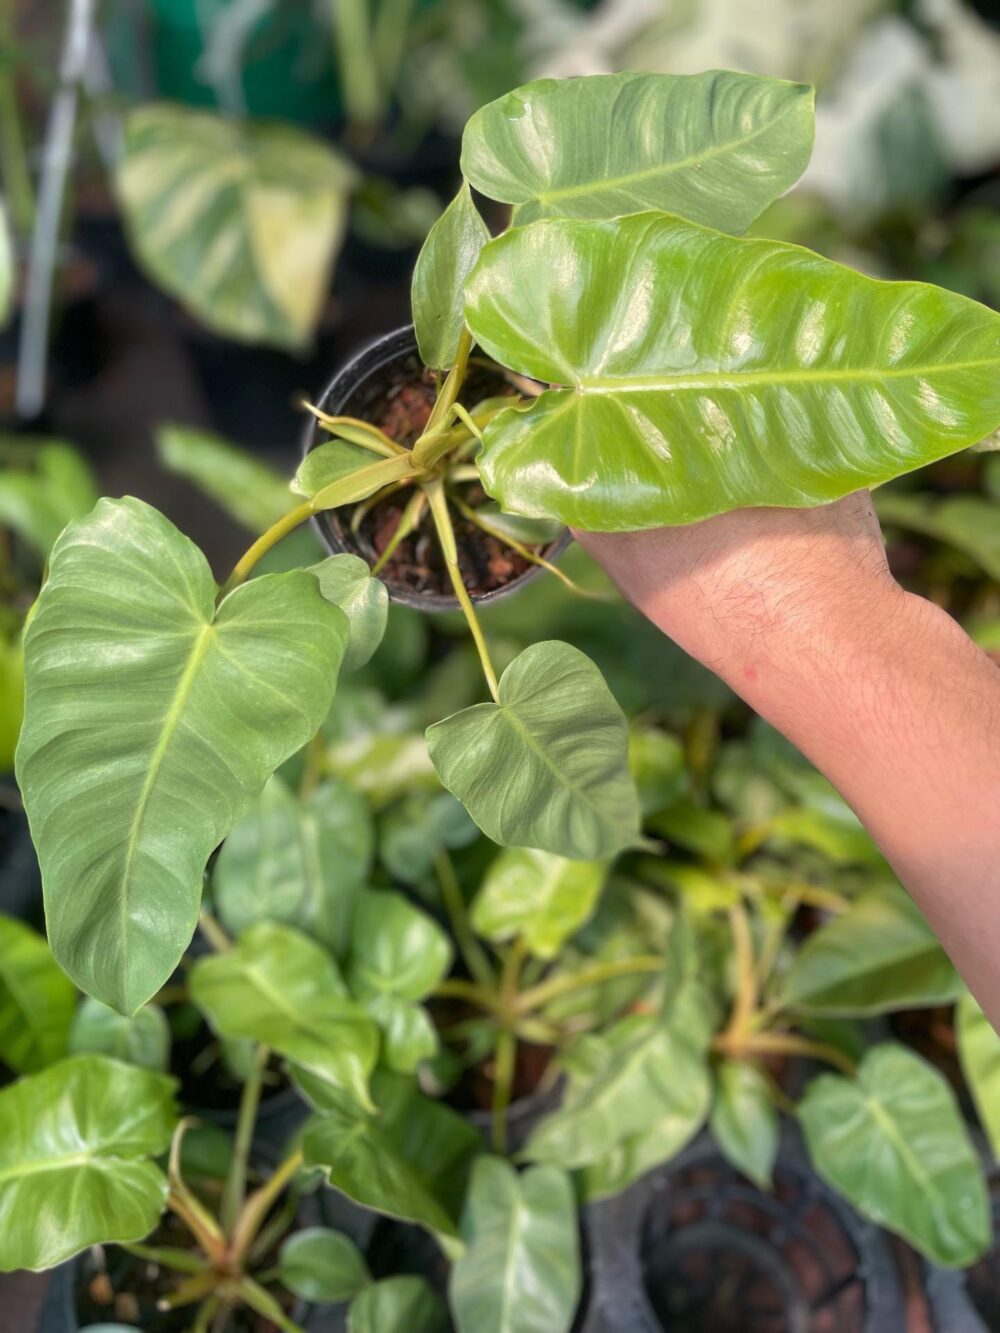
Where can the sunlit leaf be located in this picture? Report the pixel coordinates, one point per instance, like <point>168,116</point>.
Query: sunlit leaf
<point>540,897</point>
<point>445,261</point>
<point>979,1052</point>
<point>346,581</point>
<point>744,1121</point>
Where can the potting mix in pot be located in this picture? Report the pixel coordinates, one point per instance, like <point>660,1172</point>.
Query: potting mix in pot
<point>513,971</point>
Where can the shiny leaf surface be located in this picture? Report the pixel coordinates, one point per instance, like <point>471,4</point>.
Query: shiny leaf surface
<point>547,766</point>
<point>540,897</point>
<point>151,722</point>
<point>717,148</point>
<point>247,489</point>
<point>744,1121</point>
<point>705,373</point>
<point>979,1052</point>
<point>445,261</point>
<point>329,462</point>
<point>37,1000</point>
<point>894,1143</point>
<point>74,1147</point>
<point>322,1265</point>
<point>520,1272</point>
<point>143,1039</point>
<point>346,581</point>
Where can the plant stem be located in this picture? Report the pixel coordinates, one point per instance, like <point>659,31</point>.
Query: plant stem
<point>14,169</point>
<point>263,544</point>
<point>484,996</point>
<point>409,520</point>
<point>446,537</point>
<point>271,1233</point>
<point>376,440</point>
<point>503,1082</point>
<point>213,932</point>
<point>194,1288</point>
<point>254,1295</point>
<point>745,1000</point>
<point>236,1180</point>
<point>473,954</point>
<point>555,987</point>
<point>525,552</point>
<point>783,1043</point>
<point>206,1311</point>
<point>167,1256</point>
<point>195,1216</point>
<point>256,1208</point>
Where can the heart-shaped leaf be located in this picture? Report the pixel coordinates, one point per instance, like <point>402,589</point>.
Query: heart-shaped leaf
<point>706,373</point>
<point>520,1271</point>
<point>717,148</point>
<point>239,219</point>
<point>540,897</point>
<point>151,722</point>
<point>880,955</point>
<point>413,831</point>
<point>346,581</point>
<point>143,1039</point>
<point>547,766</point>
<point>74,1159</point>
<point>979,1052</point>
<point>322,1265</point>
<point>279,987</point>
<point>894,1143</point>
<point>37,1000</point>
<point>253,493</point>
<point>744,1121</point>
<point>329,462</point>
<point>298,861</point>
<point>446,259</point>
<point>401,1303</point>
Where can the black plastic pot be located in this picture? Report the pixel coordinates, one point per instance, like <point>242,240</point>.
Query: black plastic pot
<point>345,395</point>
<point>522,1116</point>
<point>695,1246</point>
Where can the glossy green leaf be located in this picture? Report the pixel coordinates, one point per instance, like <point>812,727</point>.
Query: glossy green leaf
<point>322,1265</point>
<point>152,720</point>
<point>279,987</point>
<point>329,462</point>
<point>717,148</point>
<point>37,1000</point>
<point>969,523</point>
<point>398,955</point>
<point>300,861</point>
<point>38,499</point>
<point>75,1143</point>
<point>445,261</point>
<point>706,373</point>
<point>247,489</point>
<point>744,1121</point>
<point>347,582</point>
<point>894,1143</point>
<point>547,766</point>
<point>520,1271</point>
<point>398,1305</point>
<point>529,531</point>
<point>143,1039</point>
<point>979,1052</point>
<point>239,219</point>
<point>540,897</point>
<point>878,956</point>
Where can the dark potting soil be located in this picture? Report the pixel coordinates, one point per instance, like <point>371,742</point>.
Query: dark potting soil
<point>474,1089</point>
<point>399,400</point>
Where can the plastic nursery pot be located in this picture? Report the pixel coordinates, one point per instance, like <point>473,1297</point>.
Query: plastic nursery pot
<point>695,1246</point>
<point>387,378</point>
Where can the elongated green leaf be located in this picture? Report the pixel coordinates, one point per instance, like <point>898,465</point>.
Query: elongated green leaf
<point>547,766</point>
<point>347,581</point>
<point>143,1039</point>
<point>880,955</point>
<point>445,261</point>
<point>894,1143</point>
<point>253,493</point>
<point>151,722</point>
<point>979,1051</point>
<point>398,1305</point>
<point>520,1272</point>
<point>74,1147</point>
<point>279,987</point>
<point>707,373</point>
<point>319,1264</point>
<point>298,861</point>
<point>744,1120</point>
<point>327,463</point>
<point>37,500</point>
<point>541,897</point>
<point>238,219</point>
<point>717,148</point>
<point>970,523</point>
<point>37,1000</point>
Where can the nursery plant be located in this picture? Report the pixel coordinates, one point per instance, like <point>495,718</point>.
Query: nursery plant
<point>616,359</point>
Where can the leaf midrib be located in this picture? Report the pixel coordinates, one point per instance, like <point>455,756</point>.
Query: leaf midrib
<point>717,379</point>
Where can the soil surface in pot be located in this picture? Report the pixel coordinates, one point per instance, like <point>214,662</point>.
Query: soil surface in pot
<point>474,1089</point>
<point>398,399</point>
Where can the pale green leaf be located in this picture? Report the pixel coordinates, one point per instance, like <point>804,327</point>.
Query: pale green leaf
<point>11,697</point>
<point>878,956</point>
<point>75,1144</point>
<point>894,1143</point>
<point>744,1121</point>
<point>42,492</point>
<point>656,761</point>
<point>322,1265</point>
<point>329,462</point>
<point>445,261</point>
<point>279,987</point>
<point>347,582</point>
<point>239,219</point>
<point>253,493</point>
<point>520,1271</point>
<point>717,148</point>
<point>414,830</point>
<point>979,1052</point>
<point>300,861</point>
<point>969,523</point>
<point>143,1039</point>
<point>697,829</point>
<point>37,1000</point>
<point>152,720</point>
<point>540,897</point>
<point>547,766</point>
<point>403,1304</point>
<point>705,373</point>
